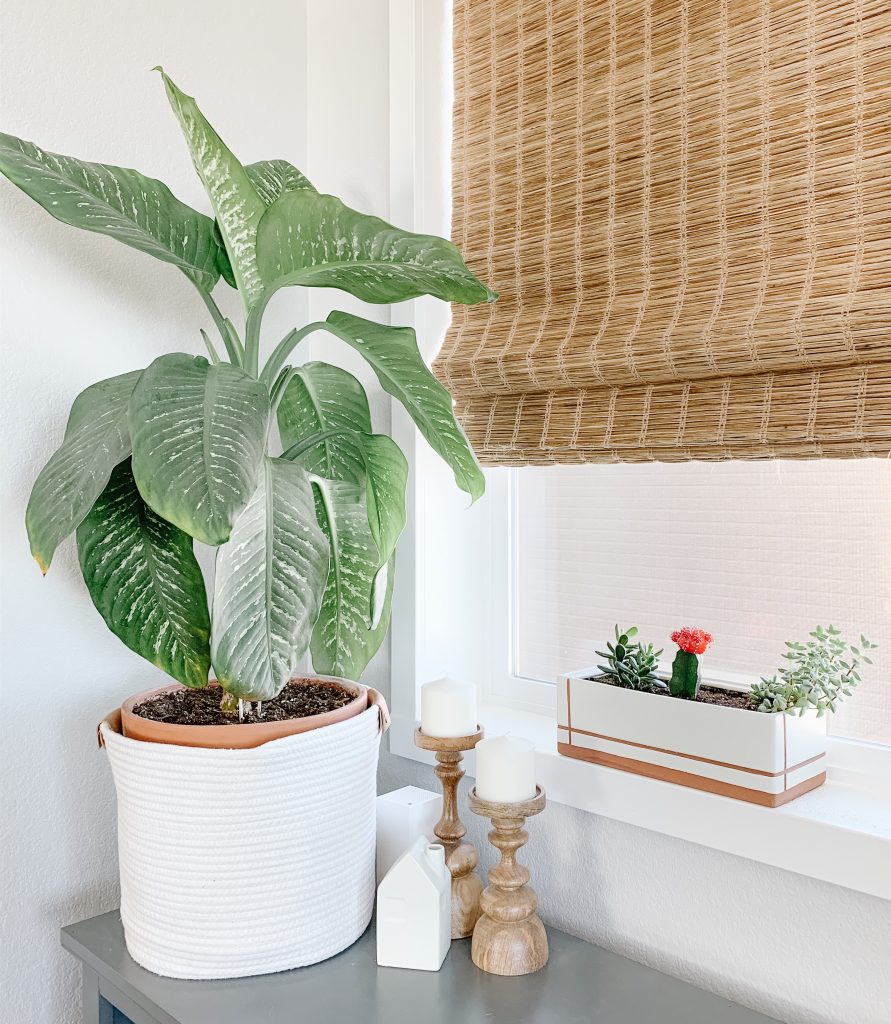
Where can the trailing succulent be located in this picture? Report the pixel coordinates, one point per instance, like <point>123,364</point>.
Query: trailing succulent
<point>630,664</point>
<point>820,672</point>
<point>178,451</point>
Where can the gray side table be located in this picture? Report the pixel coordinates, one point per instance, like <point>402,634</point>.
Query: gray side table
<point>581,984</point>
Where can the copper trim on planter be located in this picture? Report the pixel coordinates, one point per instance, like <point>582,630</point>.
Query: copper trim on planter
<point>692,757</point>
<point>690,779</point>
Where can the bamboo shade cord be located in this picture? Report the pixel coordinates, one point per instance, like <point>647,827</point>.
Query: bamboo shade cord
<point>686,208</point>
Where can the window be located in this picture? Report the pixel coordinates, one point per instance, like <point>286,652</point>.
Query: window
<point>755,552</point>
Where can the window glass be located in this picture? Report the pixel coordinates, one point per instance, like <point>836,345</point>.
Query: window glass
<point>755,552</point>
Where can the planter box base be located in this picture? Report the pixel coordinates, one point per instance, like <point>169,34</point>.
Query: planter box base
<point>765,759</point>
<point>654,771</point>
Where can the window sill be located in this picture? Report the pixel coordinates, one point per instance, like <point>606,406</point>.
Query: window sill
<point>839,833</point>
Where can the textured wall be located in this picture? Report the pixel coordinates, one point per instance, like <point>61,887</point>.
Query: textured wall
<point>75,308</point>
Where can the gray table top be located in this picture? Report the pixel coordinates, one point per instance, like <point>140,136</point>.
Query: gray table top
<point>582,983</point>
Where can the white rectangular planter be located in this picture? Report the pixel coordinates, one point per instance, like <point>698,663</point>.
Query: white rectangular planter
<point>767,759</point>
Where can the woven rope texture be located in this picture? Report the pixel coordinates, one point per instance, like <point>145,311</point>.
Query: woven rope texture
<point>241,862</point>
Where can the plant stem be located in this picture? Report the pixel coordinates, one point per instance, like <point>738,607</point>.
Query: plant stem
<point>224,327</point>
<point>278,389</point>
<point>211,351</point>
<point>228,704</point>
<point>285,347</point>
<point>252,326</point>
<point>296,450</point>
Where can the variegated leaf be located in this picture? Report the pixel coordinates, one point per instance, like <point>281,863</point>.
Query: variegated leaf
<point>272,178</point>
<point>199,433</point>
<point>341,638</point>
<point>386,478</point>
<point>315,240</point>
<point>394,356</point>
<point>236,204</point>
<point>322,399</point>
<point>269,583</point>
<point>140,212</point>
<point>325,425</point>
<point>144,580</point>
<point>381,606</point>
<point>96,439</point>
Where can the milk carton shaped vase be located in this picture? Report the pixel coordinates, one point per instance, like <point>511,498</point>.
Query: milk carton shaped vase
<point>414,909</point>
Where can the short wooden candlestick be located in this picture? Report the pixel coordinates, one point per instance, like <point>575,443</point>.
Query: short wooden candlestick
<point>509,937</point>
<point>461,858</point>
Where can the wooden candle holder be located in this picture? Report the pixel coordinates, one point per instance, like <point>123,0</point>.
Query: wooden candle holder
<point>461,858</point>
<point>509,938</point>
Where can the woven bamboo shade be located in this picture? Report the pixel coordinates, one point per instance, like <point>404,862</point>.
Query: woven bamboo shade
<point>686,208</point>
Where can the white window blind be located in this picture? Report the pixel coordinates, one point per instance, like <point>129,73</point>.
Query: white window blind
<point>754,552</point>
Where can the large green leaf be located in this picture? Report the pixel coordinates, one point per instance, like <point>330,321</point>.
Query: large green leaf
<point>144,580</point>
<point>96,440</point>
<point>199,434</point>
<point>140,212</point>
<point>322,399</point>
<point>387,476</point>
<point>236,204</point>
<point>325,425</point>
<point>315,240</point>
<point>340,640</point>
<point>394,356</point>
<point>269,583</point>
<point>272,178</point>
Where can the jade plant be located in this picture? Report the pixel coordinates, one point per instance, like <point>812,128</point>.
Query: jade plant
<point>631,664</point>
<point>820,673</point>
<point>179,451</point>
<point>685,676</point>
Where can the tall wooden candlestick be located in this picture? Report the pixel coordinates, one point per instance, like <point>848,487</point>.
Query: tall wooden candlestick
<point>509,937</point>
<point>461,858</point>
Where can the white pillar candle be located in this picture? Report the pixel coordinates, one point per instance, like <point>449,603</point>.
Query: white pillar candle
<point>448,708</point>
<point>505,769</point>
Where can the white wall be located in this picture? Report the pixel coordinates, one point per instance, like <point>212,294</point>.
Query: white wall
<point>75,308</point>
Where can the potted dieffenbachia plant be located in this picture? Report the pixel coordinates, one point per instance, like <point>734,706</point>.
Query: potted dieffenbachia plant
<point>705,735</point>
<point>253,856</point>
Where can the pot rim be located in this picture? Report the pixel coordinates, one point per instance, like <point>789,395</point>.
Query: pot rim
<point>236,734</point>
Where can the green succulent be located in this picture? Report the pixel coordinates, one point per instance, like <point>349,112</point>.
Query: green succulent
<point>630,663</point>
<point>820,673</point>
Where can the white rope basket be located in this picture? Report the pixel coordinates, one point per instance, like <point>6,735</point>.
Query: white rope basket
<point>242,862</point>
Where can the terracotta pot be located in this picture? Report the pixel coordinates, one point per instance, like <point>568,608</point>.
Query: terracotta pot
<point>240,736</point>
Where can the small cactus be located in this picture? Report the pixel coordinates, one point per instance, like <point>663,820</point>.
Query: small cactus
<point>685,677</point>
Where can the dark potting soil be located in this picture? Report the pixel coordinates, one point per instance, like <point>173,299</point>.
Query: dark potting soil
<point>299,699</point>
<point>707,695</point>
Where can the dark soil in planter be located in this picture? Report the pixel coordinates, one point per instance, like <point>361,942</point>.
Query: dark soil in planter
<point>299,699</point>
<point>707,695</point>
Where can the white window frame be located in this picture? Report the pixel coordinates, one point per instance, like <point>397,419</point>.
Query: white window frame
<point>453,600</point>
